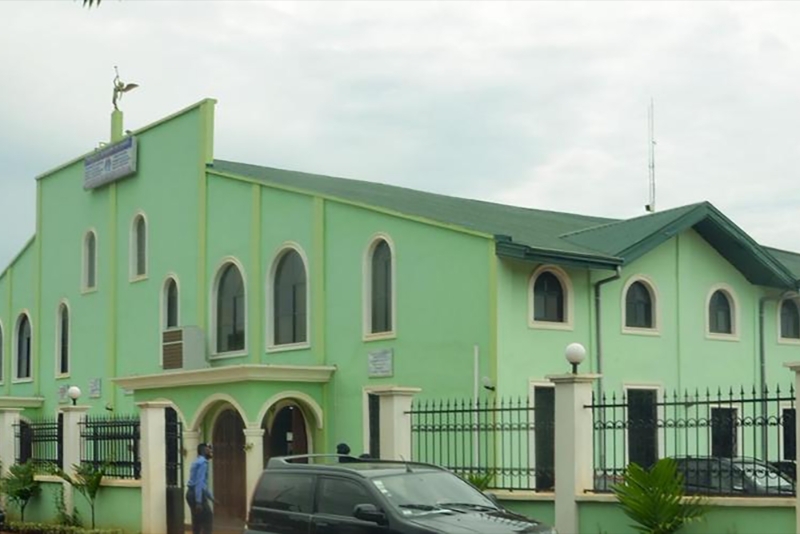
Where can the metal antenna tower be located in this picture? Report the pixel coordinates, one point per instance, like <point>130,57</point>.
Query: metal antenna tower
<point>651,206</point>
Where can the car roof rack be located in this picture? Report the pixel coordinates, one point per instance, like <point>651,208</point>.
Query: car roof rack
<point>292,461</point>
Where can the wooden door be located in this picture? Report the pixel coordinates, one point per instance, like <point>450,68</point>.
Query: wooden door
<point>228,463</point>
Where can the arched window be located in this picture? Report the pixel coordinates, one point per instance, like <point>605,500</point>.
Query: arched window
<point>290,299</point>
<point>381,288</point>
<point>720,316</point>
<point>62,343</point>
<point>548,298</point>
<point>89,260</point>
<point>139,246</point>
<point>790,320</point>
<point>171,303</point>
<point>23,347</point>
<point>230,310</point>
<point>638,306</point>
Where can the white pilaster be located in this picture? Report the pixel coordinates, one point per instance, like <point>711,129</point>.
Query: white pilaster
<point>191,439</point>
<point>73,416</point>
<point>9,419</point>
<point>154,462</point>
<point>795,366</point>
<point>574,452</point>
<point>395,422</point>
<point>254,458</point>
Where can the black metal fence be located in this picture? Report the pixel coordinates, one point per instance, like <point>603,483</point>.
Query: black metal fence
<point>725,442</point>
<point>509,441</point>
<point>112,441</point>
<point>40,441</point>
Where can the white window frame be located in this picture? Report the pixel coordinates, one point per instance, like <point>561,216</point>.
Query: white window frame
<point>366,290</point>
<point>133,251</point>
<point>365,392</point>
<point>271,347</point>
<point>163,302</point>
<point>214,355</point>
<point>85,287</point>
<point>660,413</point>
<point>779,323</point>
<point>654,302</point>
<point>735,405</point>
<point>534,383</point>
<point>58,374</point>
<point>568,292</point>
<point>735,320</point>
<point>15,378</point>
<point>782,406</point>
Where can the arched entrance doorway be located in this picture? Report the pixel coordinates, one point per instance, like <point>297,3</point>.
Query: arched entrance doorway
<point>230,489</point>
<point>285,433</point>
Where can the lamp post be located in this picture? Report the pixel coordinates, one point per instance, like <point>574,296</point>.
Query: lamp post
<point>575,354</point>
<point>74,392</point>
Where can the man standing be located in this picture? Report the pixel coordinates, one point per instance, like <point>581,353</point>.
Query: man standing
<point>198,493</point>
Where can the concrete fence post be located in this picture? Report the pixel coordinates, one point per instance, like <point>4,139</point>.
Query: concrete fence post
<point>573,447</point>
<point>395,422</point>
<point>71,457</point>
<point>153,426</point>
<point>254,458</point>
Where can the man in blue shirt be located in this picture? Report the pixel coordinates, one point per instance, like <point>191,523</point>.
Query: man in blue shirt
<point>198,493</point>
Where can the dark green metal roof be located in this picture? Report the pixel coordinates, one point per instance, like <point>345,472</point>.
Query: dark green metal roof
<point>549,236</point>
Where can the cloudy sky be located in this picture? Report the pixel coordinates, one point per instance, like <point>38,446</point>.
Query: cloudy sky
<point>530,103</point>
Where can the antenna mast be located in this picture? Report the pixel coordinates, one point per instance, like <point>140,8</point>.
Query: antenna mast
<point>651,206</point>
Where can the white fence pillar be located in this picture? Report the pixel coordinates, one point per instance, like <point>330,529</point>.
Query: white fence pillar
<point>795,366</point>
<point>154,466</point>
<point>573,447</point>
<point>254,458</point>
<point>73,417</point>
<point>395,422</point>
<point>9,419</point>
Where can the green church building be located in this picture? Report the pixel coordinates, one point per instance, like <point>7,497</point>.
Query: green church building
<point>271,311</point>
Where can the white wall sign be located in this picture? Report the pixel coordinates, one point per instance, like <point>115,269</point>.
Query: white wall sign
<point>381,363</point>
<point>110,164</point>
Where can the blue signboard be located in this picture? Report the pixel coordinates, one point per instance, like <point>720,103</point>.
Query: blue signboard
<point>110,164</point>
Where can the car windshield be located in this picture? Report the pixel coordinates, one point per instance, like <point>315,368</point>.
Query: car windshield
<point>425,491</point>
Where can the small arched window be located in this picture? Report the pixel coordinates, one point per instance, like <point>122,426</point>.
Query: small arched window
<point>289,304</point>
<point>381,288</point>
<point>790,320</point>
<point>638,306</point>
<point>139,246</point>
<point>720,316</point>
<point>548,298</point>
<point>23,347</point>
<point>230,310</point>
<point>171,303</point>
<point>90,260</point>
<point>63,339</point>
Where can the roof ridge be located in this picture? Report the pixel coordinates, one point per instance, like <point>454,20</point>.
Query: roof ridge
<point>622,221</point>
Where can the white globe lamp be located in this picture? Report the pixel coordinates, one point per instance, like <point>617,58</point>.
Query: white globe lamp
<point>575,354</point>
<point>74,392</point>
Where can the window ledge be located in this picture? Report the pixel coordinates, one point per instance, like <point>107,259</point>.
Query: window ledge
<point>288,347</point>
<point>379,336</point>
<point>550,325</point>
<point>788,341</point>
<point>227,355</point>
<point>138,278</point>
<point>88,290</point>
<point>722,337</point>
<point>652,332</point>
<point>22,381</point>
<point>62,376</point>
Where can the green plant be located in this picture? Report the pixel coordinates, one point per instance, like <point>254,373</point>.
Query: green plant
<point>86,481</point>
<point>480,480</point>
<point>46,528</point>
<point>63,517</point>
<point>654,498</point>
<point>20,485</point>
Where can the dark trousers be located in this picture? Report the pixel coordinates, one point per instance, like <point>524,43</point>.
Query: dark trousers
<point>202,519</point>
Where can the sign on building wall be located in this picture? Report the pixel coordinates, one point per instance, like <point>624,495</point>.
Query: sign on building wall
<point>381,363</point>
<point>95,388</point>
<point>112,163</point>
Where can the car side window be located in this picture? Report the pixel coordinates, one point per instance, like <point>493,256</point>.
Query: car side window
<point>338,496</point>
<point>288,492</point>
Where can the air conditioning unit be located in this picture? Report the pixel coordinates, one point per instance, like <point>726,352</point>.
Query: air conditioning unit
<point>183,348</point>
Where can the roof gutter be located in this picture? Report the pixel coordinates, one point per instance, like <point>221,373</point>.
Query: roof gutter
<point>506,248</point>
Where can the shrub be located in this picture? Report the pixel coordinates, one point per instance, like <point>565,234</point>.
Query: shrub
<point>480,480</point>
<point>46,528</point>
<point>20,485</point>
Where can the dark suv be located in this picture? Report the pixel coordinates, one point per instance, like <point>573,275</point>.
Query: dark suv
<point>332,494</point>
<point>741,476</point>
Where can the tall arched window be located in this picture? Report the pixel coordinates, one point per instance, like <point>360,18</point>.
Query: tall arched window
<point>790,320</point>
<point>230,310</point>
<point>289,304</point>
<point>171,303</point>
<point>62,342</point>
<point>548,298</point>
<point>23,347</point>
<point>139,246</point>
<point>381,288</point>
<point>89,260</point>
<point>638,306</point>
<point>720,316</point>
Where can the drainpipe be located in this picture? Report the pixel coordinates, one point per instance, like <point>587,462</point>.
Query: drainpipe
<point>599,346</point>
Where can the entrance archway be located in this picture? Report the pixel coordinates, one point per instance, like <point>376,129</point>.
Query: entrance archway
<point>285,433</point>
<point>230,489</point>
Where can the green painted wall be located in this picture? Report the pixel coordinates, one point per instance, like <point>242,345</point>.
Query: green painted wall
<point>543,511</point>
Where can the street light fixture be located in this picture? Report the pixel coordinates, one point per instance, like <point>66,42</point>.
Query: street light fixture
<point>74,393</point>
<point>575,354</point>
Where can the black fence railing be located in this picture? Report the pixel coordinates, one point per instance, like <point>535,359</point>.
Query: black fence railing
<point>725,442</point>
<point>509,442</point>
<point>40,441</point>
<point>114,442</point>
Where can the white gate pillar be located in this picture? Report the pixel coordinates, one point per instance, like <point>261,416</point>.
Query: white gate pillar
<point>154,466</point>
<point>9,419</point>
<point>573,447</point>
<point>73,417</point>
<point>395,422</point>
<point>254,458</point>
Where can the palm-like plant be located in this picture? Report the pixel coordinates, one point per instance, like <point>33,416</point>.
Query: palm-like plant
<point>655,499</point>
<point>86,481</point>
<point>20,485</point>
